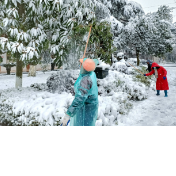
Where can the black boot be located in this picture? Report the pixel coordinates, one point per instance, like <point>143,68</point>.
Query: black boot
<point>158,92</point>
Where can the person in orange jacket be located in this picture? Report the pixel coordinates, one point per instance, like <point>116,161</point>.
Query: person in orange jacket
<point>161,79</point>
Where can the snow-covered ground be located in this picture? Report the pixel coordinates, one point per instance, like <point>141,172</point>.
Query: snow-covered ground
<point>8,81</point>
<point>42,105</point>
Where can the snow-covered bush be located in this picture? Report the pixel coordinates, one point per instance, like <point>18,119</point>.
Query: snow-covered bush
<point>132,60</point>
<point>39,86</point>
<point>62,81</point>
<point>32,108</point>
<point>118,82</point>
<point>131,71</point>
<point>120,55</point>
<point>148,81</point>
<point>36,106</point>
<point>120,66</point>
<point>110,107</point>
<point>116,95</point>
<point>103,65</point>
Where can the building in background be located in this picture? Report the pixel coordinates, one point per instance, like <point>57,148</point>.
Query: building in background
<point>13,69</point>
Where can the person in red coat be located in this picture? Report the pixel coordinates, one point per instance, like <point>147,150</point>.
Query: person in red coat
<point>161,79</point>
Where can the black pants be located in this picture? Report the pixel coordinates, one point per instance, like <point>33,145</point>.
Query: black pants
<point>52,66</point>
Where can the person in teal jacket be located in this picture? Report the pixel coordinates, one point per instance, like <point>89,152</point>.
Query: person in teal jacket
<point>84,108</point>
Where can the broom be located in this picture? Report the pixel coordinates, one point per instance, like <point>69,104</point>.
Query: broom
<point>87,42</point>
<point>135,68</point>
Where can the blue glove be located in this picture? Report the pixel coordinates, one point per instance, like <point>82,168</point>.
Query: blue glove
<point>144,74</point>
<point>164,77</point>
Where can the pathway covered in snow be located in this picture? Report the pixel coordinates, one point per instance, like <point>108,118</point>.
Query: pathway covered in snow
<point>8,81</point>
<point>156,110</point>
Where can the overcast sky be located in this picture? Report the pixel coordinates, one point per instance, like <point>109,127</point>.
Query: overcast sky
<point>152,5</point>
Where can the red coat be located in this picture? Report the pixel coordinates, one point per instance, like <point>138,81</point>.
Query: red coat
<point>161,84</point>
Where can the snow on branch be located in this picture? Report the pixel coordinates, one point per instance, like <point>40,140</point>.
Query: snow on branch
<point>29,53</point>
<point>12,22</point>
<point>13,31</point>
<point>12,11</point>
<point>3,41</point>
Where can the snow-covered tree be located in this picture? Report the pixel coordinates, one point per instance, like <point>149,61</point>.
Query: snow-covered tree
<point>101,43</point>
<point>102,10</point>
<point>24,36</point>
<point>2,29</point>
<point>51,26</point>
<point>80,31</point>
<point>162,41</point>
<point>171,56</point>
<point>165,13</point>
<point>148,34</point>
<point>133,36</point>
<point>123,10</point>
<point>38,26</point>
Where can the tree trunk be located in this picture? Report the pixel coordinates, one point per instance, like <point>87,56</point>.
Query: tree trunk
<point>19,71</point>
<point>137,55</point>
<point>32,70</point>
<point>21,8</point>
<point>28,67</point>
<point>19,63</point>
<point>112,55</point>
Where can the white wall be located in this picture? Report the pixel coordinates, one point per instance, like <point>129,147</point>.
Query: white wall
<point>4,56</point>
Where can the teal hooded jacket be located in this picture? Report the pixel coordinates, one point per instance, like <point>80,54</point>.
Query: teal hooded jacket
<point>84,108</point>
